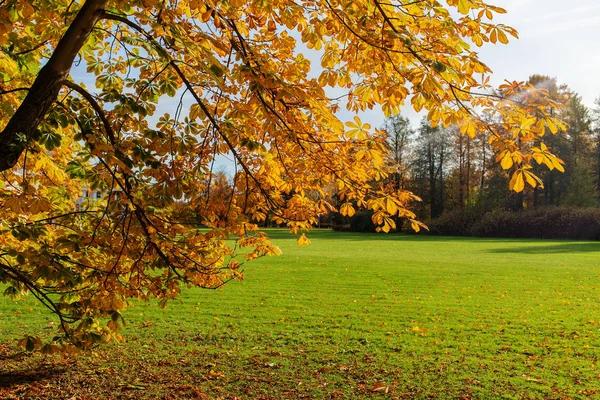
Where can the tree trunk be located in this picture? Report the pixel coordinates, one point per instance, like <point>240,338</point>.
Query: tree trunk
<point>432,183</point>
<point>42,94</point>
<point>468,180</point>
<point>440,173</point>
<point>598,167</point>
<point>461,183</point>
<point>483,170</point>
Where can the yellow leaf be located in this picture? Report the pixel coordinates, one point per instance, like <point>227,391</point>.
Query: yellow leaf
<point>358,129</point>
<point>552,125</point>
<point>533,180</point>
<point>502,37</point>
<point>390,206</point>
<point>275,251</point>
<point>416,225</point>
<point>39,204</point>
<point>303,241</point>
<point>558,164</point>
<point>464,6</point>
<point>507,161</point>
<point>15,204</point>
<point>347,210</point>
<point>390,222</point>
<point>517,183</point>
<point>469,127</point>
<point>418,101</point>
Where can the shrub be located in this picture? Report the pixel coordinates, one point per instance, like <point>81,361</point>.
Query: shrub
<point>455,223</point>
<point>543,223</point>
<point>362,222</point>
<point>339,223</point>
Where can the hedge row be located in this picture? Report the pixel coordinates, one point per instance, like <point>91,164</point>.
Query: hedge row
<point>544,223</point>
<point>359,222</point>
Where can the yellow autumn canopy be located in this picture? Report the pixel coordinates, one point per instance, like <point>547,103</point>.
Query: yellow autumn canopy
<point>94,95</point>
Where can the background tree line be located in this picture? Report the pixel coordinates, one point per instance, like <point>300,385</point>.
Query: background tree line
<point>459,182</point>
<point>465,192</point>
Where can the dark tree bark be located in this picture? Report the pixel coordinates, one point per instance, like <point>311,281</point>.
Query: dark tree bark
<point>483,169</point>
<point>461,195</point>
<point>598,167</point>
<point>440,205</point>
<point>432,181</point>
<point>468,180</point>
<point>43,93</point>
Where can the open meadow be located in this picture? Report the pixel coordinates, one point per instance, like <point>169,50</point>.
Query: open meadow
<point>351,316</point>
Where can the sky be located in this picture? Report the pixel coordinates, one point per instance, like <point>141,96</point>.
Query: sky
<point>557,38</point>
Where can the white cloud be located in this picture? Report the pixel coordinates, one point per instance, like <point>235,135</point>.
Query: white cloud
<point>555,40</point>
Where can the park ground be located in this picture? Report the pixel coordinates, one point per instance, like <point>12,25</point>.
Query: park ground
<point>351,316</point>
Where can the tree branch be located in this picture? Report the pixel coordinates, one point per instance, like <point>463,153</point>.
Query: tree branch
<point>19,89</point>
<point>99,111</point>
<point>43,93</point>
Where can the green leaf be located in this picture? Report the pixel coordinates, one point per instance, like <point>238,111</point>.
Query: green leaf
<point>11,292</point>
<point>21,259</point>
<point>75,169</point>
<point>216,70</point>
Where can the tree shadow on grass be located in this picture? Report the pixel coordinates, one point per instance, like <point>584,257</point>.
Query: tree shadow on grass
<point>552,249</point>
<point>24,377</point>
<point>18,368</point>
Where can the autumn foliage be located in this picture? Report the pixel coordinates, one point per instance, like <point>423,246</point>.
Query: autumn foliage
<point>85,90</point>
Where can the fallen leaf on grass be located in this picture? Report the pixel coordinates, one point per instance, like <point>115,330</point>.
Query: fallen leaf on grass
<point>134,386</point>
<point>380,387</point>
<point>530,379</point>
<point>215,374</point>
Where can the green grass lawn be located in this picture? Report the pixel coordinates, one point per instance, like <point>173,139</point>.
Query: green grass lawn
<point>351,316</point>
